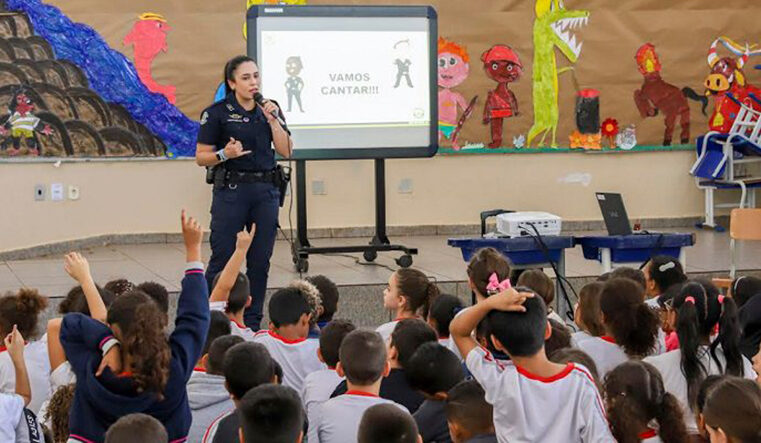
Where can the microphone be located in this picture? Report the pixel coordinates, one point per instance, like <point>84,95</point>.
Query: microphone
<point>259,99</point>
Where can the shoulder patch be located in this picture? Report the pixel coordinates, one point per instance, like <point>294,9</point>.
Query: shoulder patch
<point>204,117</point>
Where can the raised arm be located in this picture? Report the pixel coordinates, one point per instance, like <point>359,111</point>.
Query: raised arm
<point>14,342</point>
<point>229,274</point>
<point>56,355</point>
<point>79,269</point>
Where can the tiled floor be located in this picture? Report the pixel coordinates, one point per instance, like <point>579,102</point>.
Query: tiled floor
<point>164,263</point>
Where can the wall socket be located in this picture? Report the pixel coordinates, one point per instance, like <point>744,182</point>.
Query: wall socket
<point>39,193</point>
<point>56,192</point>
<point>405,186</point>
<point>73,192</point>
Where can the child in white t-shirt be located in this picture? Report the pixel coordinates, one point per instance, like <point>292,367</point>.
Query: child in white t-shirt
<point>443,310</point>
<point>12,404</point>
<point>533,398</point>
<point>409,294</point>
<point>586,313</point>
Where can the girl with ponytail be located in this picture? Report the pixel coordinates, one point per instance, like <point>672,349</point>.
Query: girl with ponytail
<point>696,311</point>
<point>128,365</point>
<point>636,400</point>
<point>409,294</point>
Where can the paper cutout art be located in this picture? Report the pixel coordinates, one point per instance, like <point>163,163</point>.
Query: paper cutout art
<point>294,84</point>
<point>519,141</point>
<point>627,139</point>
<point>578,140</point>
<point>656,95</point>
<point>402,62</point>
<point>21,125</point>
<point>609,130</point>
<point>588,111</point>
<point>454,67</point>
<point>553,27</point>
<point>502,65</point>
<point>727,76</point>
<point>148,38</point>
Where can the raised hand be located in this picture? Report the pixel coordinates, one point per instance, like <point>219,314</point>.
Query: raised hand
<point>509,300</point>
<point>14,343</point>
<point>245,237</point>
<point>192,235</point>
<point>76,266</point>
<point>234,149</point>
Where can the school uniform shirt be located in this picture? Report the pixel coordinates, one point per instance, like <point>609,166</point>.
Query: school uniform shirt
<point>61,376</point>
<point>578,337</point>
<point>236,328</point>
<point>11,410</point>
<point>554,316</point>
<point>396,388</point>
<point>317,389</point>
<point>224,428</point>
<point>298,358</point>
<point>527,408</point>
<point>650,436</point>
<point>208,399</point>
<point>448,343</point>
<point>605,353</point>
<point>431,421</point>
<point>386,329</point>
<point>38,370</point>
<point>337,420</point>
<point>669,365</point>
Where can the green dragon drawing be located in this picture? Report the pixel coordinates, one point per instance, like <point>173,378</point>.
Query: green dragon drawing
<point>552,28</point>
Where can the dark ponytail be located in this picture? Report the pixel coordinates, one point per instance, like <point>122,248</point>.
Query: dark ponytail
<point>142,326</point>
<point>21,309</point>
<point>671,426</point>
<point>632,323</point>
<point>484,263</point>
<point>729,337</point>
<point>419,292</point>
<point>230,67</point>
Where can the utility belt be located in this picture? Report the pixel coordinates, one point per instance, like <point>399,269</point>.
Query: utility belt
<point>219,176</point>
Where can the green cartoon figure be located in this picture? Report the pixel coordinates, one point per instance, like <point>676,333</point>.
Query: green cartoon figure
<point>552,28</point>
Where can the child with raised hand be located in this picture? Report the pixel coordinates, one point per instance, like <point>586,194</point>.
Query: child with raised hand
<point>320,384</point>
<point>387,424</point>
<point>733,411</point>
<point>530,394</point>
<point>469,416</point>
<point>21,311</point>
<point>362,360</point>
<point>231,289</point>
<point>12,404</point>
<point>696,311</point>
<point>128,365</point>
<point>639,408</point>
<point>409,294</point>
<point>631,327</point>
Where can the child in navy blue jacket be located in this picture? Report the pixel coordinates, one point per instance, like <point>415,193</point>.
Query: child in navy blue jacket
<point>128,365</point>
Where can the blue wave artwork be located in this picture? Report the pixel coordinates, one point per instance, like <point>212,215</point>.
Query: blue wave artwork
<point>111,75</point>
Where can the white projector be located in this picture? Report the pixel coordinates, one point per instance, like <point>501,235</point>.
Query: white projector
<point>518,224</point>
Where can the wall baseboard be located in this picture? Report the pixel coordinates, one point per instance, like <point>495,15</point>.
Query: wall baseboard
<point>322,233</point>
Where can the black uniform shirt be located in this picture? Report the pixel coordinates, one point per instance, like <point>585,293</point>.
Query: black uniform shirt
<point>227,118</point>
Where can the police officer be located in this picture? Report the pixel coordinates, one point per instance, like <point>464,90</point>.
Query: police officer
<point>237,137</point>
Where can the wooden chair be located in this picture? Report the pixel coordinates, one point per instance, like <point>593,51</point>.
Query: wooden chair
<point>744,224</point>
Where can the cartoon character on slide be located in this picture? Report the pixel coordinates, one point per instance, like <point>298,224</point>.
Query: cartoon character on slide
<point>148,37</point>
<point>503,66</point>
<point>22,124</point>
<point>552,28</point>
<point>454,66</point>
<point>294,84</point>
<point>402,62</point>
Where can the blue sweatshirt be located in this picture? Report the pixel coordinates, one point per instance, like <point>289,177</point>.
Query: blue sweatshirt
<point>100,401</point>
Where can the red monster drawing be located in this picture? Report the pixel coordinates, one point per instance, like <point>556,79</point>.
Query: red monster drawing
<point>503,66</point>
<point>148,37</point>
<point>22,124</point>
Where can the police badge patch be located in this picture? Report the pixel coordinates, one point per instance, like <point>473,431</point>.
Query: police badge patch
<point>204,117</point>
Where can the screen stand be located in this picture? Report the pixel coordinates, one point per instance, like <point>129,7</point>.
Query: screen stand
<point>301,248</point>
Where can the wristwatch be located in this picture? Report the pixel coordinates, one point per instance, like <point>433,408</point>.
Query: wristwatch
<point>221,155</point>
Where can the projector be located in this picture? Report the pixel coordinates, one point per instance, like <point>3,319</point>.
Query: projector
<point>518,224</point>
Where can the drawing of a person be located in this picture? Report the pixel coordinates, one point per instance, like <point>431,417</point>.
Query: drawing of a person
<point>294,84</point>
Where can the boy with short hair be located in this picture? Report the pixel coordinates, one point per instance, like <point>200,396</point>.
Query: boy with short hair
<point>387,424</point>
<point>362,360</point>
<point>533,398</point>
<point>320,384</point>
<point>286,340</point>
<point>245,366</point>
<point>433,370</point>
<point>328,297</point>
<point>136,427</point>
<point>469,416</point>
<point>271,414</point>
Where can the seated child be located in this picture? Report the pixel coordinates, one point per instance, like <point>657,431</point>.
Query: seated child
<point>207,395</point>
<point>271,413</point>
<point>469,415</point>
<point>328,298</point>
<point>700,404</point>
<point>136,427</point>
<point>13,418</point>
<point>486,266</point>
<point>156,292</point>
<point>630,273</point>
<point>433,370</point>
<point>320,384</point>
<point>231,289</point>
<point>530,394</point>
<point>290,315</point>
<point>631,327</point>
<point>245,366</point>
<point>542,285</point>
<point>638,406</point>
<point>443,310</point>
<point>409,294</point>
<point>574,355</point>
<point>387,424</point>
<point>560,337</point>
<point>661,272</point>
<point>733,411</point>
<point>587,315</point>
<point>363,361</point>
<point>119,286</point>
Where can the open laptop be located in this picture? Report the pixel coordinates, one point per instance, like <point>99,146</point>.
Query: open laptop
<point>614,213</point>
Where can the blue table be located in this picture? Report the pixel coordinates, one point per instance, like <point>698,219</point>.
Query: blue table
<point>524,253</point>
<point>635,248</point>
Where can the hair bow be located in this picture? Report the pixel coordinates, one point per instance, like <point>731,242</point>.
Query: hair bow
<point>495,286</point>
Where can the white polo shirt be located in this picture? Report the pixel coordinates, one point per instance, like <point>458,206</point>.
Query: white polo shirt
<point>317,389</point>
<point>669,365</point>
<point>337,420</point>
<point>37,367</point>
<point>235,327</point>
<point>298,358</point>
<point>605,353</point>
<point>386,329</point>
<point>527,408</point>
<point>11,409</point>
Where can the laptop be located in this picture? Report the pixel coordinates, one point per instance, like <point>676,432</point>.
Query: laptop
<point>614,213</point>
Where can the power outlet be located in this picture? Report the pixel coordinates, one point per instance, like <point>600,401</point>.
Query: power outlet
<point>405,186</point>
<point>73,192</point>
<point>56,192</point>
<point>39,193</point>
<point>318,187</point>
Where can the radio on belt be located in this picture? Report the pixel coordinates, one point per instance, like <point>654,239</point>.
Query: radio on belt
<point>518,224</point>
